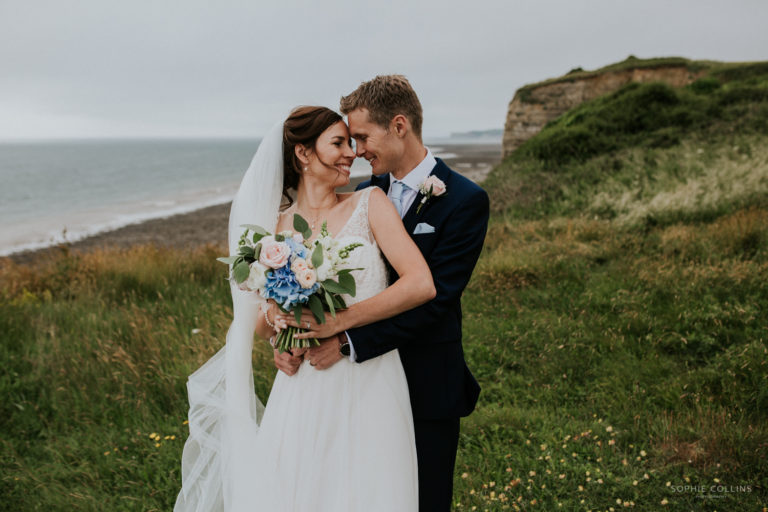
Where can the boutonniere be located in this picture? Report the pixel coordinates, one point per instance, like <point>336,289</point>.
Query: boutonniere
<point>430,187</point>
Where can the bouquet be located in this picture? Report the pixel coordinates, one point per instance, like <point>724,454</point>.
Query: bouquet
<point>289,269</point>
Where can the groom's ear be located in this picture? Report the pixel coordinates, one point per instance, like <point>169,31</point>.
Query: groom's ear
<point>400,125</point>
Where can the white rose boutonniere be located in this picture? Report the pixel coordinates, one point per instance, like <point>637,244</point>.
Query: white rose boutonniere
<point>430,187</point>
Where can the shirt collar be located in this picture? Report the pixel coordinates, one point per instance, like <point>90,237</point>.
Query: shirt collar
<point>414,178</point>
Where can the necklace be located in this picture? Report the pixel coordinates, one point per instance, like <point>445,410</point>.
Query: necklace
<point>313,224</point>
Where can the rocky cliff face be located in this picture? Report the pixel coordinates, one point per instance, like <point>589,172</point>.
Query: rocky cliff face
<point>533,106</point>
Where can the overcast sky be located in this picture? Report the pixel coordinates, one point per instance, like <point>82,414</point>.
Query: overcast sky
<point>108,68</point>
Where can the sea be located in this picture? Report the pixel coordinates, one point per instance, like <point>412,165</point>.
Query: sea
<point>56,191</point>
<point>63,191</point>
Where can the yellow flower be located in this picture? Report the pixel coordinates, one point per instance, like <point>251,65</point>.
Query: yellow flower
<point>664,501</point>
<point>107,453</point>
<point>642,453</point>
<point>157,445</point>
<point>465,475</point>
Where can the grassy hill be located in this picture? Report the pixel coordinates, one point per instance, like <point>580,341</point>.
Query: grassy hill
<point>616,322</point>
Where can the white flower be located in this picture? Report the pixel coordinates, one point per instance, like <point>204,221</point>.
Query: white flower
<point>256,278</point>
<point>298,238</point>
<point>325,271</point>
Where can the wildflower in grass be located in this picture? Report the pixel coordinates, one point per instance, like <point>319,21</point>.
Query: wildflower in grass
<point>668,484</point>
<point>531,473</point>
<point>634,482</point>
<point>107,453</point>
<point>609,428</point>
<point>157,445</point>
<point>664,502</point>
<point>561,476</point>
<point>645,475</point>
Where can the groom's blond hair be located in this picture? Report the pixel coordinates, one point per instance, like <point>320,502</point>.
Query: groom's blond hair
<point>384,97</point>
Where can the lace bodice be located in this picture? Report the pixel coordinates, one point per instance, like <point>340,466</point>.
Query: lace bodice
<point>373,278</point>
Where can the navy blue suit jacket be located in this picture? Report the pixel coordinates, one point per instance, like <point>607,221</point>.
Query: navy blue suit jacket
<point>429,336</point>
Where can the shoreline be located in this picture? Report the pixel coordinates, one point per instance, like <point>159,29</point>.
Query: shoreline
<point>208,225</point>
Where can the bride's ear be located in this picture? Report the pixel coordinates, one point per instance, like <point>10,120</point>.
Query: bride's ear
<point>302,153</point>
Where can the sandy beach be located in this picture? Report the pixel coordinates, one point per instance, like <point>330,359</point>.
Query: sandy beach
<point>209,225</point>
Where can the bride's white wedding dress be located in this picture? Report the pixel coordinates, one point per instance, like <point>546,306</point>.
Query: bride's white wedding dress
<point>339,439</point>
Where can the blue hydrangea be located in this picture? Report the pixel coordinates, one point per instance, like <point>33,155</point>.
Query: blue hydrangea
<point>297,249</point>
<point>283,288</point>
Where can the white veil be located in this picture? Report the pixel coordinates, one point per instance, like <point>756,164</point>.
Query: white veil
<point>224,413</point>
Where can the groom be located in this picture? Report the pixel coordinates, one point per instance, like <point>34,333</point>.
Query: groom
<point>385,119</point>
<point>449,228</point>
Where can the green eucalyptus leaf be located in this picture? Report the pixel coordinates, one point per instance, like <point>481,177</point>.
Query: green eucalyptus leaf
<point>257,251</point>
<point>348,282</point>
<point>256,229</point>
<point>333,287</point>
<point>329,298</point>
<point>228,260</point>
<point>279,238</point>
<point>246,251</point>
<point>241,271</point>
<point>297,313</point>
<point>302,226</point>
<point>257,237</point>
<point>316,306</point>
<point>317,256</point>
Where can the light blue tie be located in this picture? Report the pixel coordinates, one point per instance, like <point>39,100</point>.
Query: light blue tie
<point>397,190</point>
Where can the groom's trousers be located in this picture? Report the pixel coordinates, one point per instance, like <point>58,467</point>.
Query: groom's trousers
<point>436,444</point>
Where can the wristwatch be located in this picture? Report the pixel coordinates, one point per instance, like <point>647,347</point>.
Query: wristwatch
<point>344,345</point>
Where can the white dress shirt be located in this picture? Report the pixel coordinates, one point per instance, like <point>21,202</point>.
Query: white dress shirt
<point>412,180</point>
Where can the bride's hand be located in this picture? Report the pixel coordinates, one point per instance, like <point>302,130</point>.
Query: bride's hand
<point>309,323</point>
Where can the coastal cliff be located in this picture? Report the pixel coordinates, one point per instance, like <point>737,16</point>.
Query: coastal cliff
<point>534,105</point>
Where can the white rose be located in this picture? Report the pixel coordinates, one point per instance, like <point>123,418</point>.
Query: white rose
<point>324,271</point>
<point>256,278</point>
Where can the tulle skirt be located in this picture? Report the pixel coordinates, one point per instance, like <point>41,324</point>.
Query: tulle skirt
<point>339,439</point>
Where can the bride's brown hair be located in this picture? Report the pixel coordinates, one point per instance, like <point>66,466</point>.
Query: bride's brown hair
<point>303,126</point>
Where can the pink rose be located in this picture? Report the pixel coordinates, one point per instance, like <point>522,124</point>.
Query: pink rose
<point>307,278</point>
<point>273,254</point>
<point>436,184</point>
<point>299,265</point>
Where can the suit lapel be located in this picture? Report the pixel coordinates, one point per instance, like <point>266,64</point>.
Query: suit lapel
<point>411,217</point>
<point>381,181</point>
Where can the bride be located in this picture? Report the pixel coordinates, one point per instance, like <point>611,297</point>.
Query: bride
<point>339,439</point>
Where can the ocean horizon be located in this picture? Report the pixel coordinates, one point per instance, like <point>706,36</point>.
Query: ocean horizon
<point>58,191</point>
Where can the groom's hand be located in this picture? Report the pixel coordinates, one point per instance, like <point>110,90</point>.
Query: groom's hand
<point>287,362</point>
<point>327,354</point>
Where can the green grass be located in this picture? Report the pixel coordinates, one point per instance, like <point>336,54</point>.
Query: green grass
<point>615,321</point>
